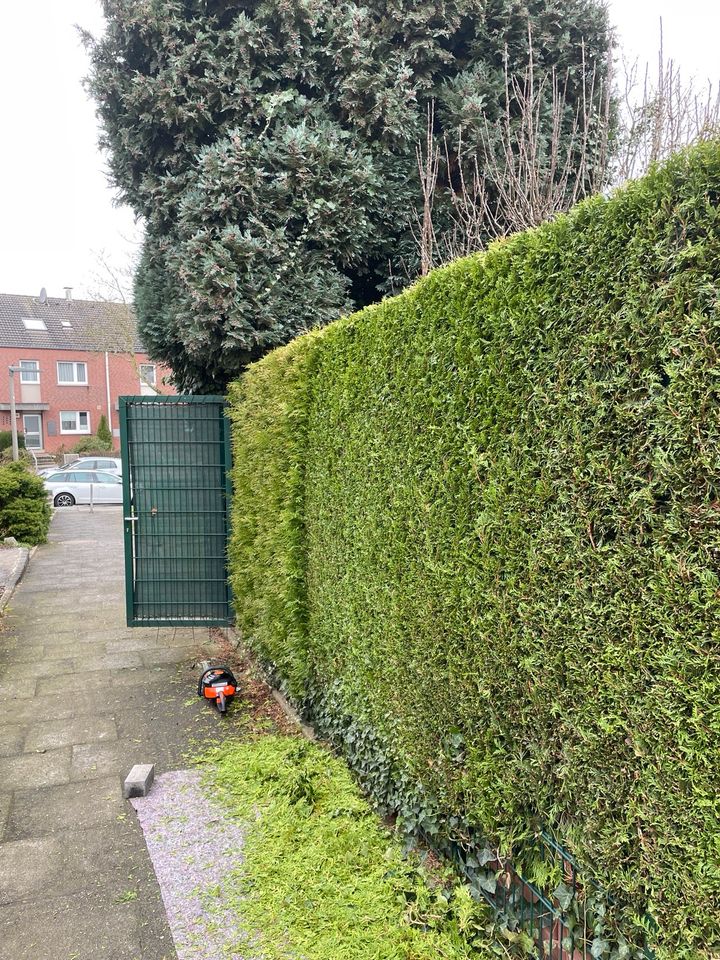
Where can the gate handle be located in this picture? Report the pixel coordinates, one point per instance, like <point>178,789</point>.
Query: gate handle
<point>130,519</point>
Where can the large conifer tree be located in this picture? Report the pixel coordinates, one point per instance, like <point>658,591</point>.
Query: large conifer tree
<point>271,148</point>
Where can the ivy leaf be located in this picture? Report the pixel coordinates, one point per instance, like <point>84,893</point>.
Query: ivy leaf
<point>564,895</point>
<point>599,948</point>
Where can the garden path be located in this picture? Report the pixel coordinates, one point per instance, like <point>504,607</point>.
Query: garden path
<point>83,698</point>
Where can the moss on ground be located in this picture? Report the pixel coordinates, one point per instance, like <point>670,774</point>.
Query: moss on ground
<point>321,878</point>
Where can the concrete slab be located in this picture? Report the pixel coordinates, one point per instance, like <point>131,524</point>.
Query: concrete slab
<point>13,652</point>
<point>36,813</point>
<point>93,760</point>
<point>109,661</point>
<point>29,669</point>
<point>73,684</point>
<point>59,929</point>
<point>60,706</point>
<point>35,770</point>
<point>12,737</point>
<point>62,733</point>
<point>86,648</point>
<point>10,691</point>
<point>5,804</point>
<point>159,656</point>
<point>29,866</point>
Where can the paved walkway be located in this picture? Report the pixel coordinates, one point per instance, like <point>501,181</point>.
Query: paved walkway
<point>83,698</point>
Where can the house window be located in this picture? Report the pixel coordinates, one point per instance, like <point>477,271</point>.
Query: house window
<point>71,373</point>
<point>74,421</point>
<point>29,371</point>
<point>147,373</point>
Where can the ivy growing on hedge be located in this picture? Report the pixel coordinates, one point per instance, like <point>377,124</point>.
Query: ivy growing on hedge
<point>477,527</point>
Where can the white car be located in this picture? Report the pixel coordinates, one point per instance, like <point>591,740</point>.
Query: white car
<point>106,464</point>
<point>68,487</point>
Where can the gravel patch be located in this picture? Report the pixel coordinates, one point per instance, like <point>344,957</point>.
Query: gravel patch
<point>193,846</point>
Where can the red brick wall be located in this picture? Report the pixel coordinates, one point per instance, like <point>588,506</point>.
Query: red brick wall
<point>124,381</point>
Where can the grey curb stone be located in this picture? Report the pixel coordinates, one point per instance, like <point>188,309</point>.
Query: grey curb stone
<point>139,780</point>
<point>15,574</point>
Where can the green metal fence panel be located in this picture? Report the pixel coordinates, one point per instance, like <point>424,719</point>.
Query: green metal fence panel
<point>176,469</point>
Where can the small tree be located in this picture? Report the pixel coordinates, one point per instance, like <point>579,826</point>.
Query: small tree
<point>103,433</point>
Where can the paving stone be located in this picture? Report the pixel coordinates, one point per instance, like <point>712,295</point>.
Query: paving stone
<point>29,669</point>
<point>61,706</point>
<point>5,804</point>
<point>63,733</point>
<point>28,866</point>
<point>36,813</point>
<point>139,781</point>
<point>35,770</point>
<point>58,930</point>
<point>71,685</point>
<point>131,643</point>
<point>20,653</point>
<point>9,691</point>
<point>110,661</point>
<point>159,656</point>
<point>163,677</point>
<point>12,737</point>
<point>94,760</point>
<point>86,648</point>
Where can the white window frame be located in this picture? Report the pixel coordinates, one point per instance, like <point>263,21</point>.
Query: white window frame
<point>36,371</point>
<point>75,382</point>
<point>76,414</point>
<point>146,380</point>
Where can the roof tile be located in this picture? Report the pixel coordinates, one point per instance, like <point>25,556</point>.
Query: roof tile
<point>93,324</point>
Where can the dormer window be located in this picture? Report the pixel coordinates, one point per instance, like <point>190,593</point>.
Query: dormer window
<point>33,323</point>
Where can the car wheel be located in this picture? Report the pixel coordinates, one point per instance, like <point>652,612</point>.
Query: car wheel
<point>64,500</point>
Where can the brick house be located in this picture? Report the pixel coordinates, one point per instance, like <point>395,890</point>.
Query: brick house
<point>76,357</point>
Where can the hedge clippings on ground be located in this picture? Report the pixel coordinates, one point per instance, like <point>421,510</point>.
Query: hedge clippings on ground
<point>477,534</point>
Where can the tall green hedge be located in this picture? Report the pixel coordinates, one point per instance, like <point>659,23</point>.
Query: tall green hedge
<point>477,533</point>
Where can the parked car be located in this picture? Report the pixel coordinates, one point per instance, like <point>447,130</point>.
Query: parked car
<point>68,487</point>
<point>106,464</point>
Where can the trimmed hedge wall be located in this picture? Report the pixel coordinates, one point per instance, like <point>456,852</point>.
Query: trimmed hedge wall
<point>24,509</point>
<point>477,534</point>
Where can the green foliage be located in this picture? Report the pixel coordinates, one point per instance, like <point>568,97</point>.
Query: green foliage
<point>24,509</point>
<point>267,552</point>
<point>505,500</point>
<point>270,148</point>
<point>93,444</point>
<point>320,877</point>
<point>6,440</point>
<point>104,435</point>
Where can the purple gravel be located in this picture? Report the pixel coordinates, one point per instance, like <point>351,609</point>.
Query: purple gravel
<point>193,847</point>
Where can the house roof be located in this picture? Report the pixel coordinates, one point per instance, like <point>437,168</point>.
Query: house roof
<point>92,325</point>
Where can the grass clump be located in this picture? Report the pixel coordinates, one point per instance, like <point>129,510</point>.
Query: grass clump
<point>321,878</point>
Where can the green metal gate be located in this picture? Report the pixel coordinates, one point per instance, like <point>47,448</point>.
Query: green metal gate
<point>176,486</point>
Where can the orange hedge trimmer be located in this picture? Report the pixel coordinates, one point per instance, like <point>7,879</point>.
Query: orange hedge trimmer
<point>218,684</point>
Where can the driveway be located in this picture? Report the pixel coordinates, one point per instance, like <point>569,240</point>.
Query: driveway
<point>83,698</point>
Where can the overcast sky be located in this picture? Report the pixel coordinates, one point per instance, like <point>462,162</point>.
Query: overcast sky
<point>56,208</point>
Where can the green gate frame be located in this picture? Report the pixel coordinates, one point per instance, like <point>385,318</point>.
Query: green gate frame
<point>176,508</point>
